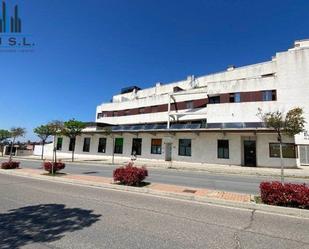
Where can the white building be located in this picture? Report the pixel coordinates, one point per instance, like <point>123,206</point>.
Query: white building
<point>208,119</point>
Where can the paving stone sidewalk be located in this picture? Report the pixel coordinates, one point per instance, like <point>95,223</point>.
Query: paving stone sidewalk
<point>166,188</point>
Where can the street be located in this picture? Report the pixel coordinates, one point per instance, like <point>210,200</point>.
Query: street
<point>224,182</point>
<point>41,214</point>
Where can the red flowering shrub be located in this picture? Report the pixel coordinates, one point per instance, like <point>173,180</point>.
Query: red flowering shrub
<point>51,166</point>
<point>130,175</point>
<point>10,165</point>
<point>288,194</point>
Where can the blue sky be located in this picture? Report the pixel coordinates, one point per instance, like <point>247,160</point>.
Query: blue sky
<point>86,51</point>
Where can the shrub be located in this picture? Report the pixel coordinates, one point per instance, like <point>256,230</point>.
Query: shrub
<point>49,166</point>
<point>130,175</point>
<point>10,165</point>
<point>288,194</point>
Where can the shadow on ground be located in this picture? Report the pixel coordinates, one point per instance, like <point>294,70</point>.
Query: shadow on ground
<point>41,223</point>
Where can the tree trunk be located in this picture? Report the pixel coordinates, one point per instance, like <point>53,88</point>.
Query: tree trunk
<point>11,150</point>
<point>42,155</point>
<point>113,155</point>
<point>54,155</point>
<point>281,162</point>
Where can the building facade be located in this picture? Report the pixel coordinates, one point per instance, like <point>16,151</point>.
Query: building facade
<point>210,119</point>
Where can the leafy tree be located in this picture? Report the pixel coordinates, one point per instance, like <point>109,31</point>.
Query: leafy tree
<point>4,135</point>
<point>72,129</point>
<point>43,132</point>
<point>56,128</point>
<point>15,133</point>
<point>290,124</point>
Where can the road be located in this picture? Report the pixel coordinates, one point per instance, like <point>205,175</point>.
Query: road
<point>42,214</point>
<point>193,179</point>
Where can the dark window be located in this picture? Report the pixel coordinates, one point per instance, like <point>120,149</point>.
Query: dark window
<point>189,105</point>
<point>214,100</point>
<point>288,150</point>
<point>86,146</point>
<point>156,146</point>
<point>269,95</point>
<point>234,97</point>
<point>102,145</point>
<point>154,108</point>
<point>223,149</point>
<point>59,143</point>
<point>136,146</point>
<point>118,145</point>
<point>72,144</point>
<point>141,110</point>
<point>115,114</point>
<point>99,115</point>
<point>126,112</point>
<point>184,147</point>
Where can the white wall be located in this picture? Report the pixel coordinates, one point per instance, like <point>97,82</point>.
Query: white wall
<point>204,147</point>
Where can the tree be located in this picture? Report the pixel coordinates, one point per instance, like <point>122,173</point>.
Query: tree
<point>72,129</point>
<point>43,132</point>
<point>290,124</point>
<point>56,128</point>
<point>15,133</point>
<point>4,135</point>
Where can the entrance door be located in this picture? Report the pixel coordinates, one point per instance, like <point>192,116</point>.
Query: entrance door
<point>168,152</point>
<point>250,153</point>
<point>136,146</point>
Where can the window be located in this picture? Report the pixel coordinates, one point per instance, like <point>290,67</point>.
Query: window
<point>102,145</point>
<point>99,115</point>
<point>126,112</point>
<point>234,97</point>
<point>223,149</point>
<point>214,100</point>
<point>72,144</point>
<point>59,143</point>
<point>184,147</point>
<point>189,105</point>
<point>141,110</point>
<point>269,95</point>
<point>86,146</point>
<point>115,114</point>
<point>136,146</point>
<point>118,145</point>
<point>154,108</point>
<point>156,146</point>
<point>288,150</point>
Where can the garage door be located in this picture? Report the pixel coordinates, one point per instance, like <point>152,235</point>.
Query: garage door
<point>304,154</point>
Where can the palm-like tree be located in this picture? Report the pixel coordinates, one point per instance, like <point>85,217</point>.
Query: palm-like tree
<point>15,133</point>
<point>43,132</point>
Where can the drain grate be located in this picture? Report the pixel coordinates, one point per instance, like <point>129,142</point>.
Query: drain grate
<point>191,191</point>
<point>90,172</point>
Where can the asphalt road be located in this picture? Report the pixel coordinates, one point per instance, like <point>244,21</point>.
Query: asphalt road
<point>42,214</point>
<point>193,179</point>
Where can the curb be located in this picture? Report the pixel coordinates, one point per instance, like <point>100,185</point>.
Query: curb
<point>221,172</point>
<point>300,213</point>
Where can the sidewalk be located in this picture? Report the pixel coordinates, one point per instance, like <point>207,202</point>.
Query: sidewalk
<point>108,182</point>
<point>301,172</point>
<point>207,196</point>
